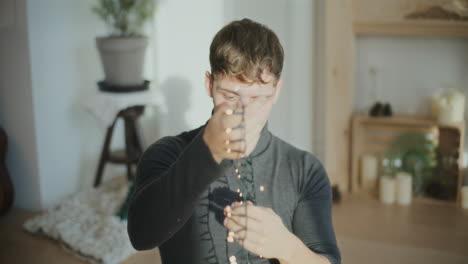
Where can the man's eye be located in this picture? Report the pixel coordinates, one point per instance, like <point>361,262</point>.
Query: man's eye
<point>229,97</point>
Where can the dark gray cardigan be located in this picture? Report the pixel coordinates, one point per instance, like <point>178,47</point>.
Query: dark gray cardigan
<point>177,207</point>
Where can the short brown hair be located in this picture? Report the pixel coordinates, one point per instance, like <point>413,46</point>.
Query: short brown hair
<point>244,49</point>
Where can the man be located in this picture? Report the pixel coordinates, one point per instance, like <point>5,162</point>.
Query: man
<point>188,199</point>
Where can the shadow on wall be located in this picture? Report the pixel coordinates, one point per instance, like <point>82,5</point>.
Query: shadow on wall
<point>177,93</point>
<point>92,130</point>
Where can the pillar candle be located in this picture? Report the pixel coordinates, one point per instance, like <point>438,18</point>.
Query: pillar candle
<point>387,190</point>
<point>369,167</point>
<point>465,159</point>
<point>464,197</point>
<point>457,101</point>
<point>404,188</point>
<point>449,107</point>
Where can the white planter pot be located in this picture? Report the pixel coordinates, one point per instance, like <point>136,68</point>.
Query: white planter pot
<point>122,59</point>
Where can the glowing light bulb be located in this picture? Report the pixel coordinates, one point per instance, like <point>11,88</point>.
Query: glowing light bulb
<point>232,259</point>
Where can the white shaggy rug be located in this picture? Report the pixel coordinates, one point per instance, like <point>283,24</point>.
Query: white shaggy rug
<point>85,223</point>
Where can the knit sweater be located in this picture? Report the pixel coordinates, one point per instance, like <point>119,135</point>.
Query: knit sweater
<point>180,192</point>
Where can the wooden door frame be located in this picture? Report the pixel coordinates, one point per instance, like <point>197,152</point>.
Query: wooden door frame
<point>334,88</point>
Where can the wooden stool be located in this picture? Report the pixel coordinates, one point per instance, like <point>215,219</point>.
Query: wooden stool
<point>133,148</point>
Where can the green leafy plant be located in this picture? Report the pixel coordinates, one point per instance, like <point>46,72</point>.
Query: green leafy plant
<point>126,17</point>
<point>415,153</point>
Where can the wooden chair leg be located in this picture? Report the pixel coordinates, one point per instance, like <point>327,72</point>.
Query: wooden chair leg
<point>136,143</point>
<point>138,137</point>
<point>104,155</point>
<point>129,171</point>
<point>129,147</point>
<point>133,146</point>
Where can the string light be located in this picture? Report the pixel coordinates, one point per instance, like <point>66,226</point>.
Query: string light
<point>230,237</point>
<point>245,174</point>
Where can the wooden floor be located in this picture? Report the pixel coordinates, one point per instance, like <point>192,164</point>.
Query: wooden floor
<point>18,246</point>
<point>367,232</point>
<point>371,232</point>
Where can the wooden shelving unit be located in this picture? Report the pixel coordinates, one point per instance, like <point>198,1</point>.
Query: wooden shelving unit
<point>389,17</point>
<point>373,135</point>
<point>339,24</point>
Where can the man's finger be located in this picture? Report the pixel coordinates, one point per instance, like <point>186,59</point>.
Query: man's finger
<point>238,230</point>
<point>234,132</point>
<point>245,222</point>
<point>250,245</point>
<point>232,121</point>
<point>237,146</point>
<point>256,212</point>
<point>224,107</point>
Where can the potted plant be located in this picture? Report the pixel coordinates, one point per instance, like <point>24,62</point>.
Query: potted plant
<point>122,52</point>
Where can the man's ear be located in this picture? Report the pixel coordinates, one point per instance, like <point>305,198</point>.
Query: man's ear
<point>208,84</point>
<point>279,85</point>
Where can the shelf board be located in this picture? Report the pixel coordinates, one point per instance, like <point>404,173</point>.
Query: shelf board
<point>412,28</point>
<point>407,120</point>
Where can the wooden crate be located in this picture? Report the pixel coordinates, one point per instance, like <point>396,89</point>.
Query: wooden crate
<point>374,134</point>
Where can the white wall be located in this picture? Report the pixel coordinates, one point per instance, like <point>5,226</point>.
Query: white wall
<point>182,33</point>
<point>64,68</point>
<point>410,70</point>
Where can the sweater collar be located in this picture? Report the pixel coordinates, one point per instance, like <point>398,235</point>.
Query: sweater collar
<point>263,141</point>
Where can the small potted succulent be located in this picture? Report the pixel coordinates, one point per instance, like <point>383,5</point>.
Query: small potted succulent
<point>123,51</point>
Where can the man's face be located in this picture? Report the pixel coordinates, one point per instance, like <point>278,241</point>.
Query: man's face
<point>257,98</point>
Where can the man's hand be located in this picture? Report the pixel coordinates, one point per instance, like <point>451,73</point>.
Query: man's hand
<point>259,230</point>
<point>225,134</point>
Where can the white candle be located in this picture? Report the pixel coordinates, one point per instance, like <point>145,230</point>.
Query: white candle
<point>464,197</point>
<point>465,159</point>
<point>457,101</point>
<point>387,189</point>
<point>404,188</point>
<point>369,167</point>
<point>449,107</point>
